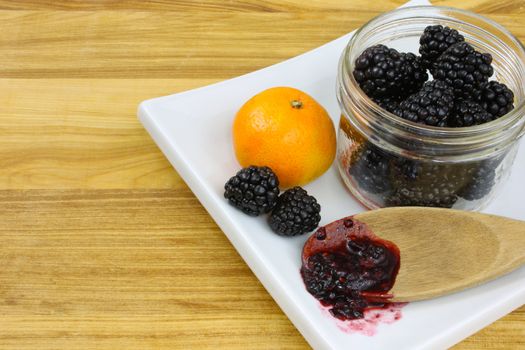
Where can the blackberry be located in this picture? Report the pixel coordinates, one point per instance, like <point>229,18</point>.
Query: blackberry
<point>435,40</point>
<point>384,72</point>
<point>370,168</point>
<point>388,103</point>
<point>440,195</point>
<point>327,278</point>
<point>468,113</point>
<point>483,178</point>
<point>295,213</point>
<point>464,69</point>
<point>254,190</point>
<point>406,170</point>
<point>426,184</point>
<point>496,98</point>
<point>431,105</point>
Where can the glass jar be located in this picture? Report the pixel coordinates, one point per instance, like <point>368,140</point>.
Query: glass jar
<point>389,161</point>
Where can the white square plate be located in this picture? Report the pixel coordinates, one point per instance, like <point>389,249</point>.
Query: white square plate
<point>193,130</point>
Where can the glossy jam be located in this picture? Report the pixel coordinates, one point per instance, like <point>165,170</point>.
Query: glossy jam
<point>349,269</point>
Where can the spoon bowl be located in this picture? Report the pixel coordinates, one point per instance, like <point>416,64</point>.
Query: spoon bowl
<point>445,251</point>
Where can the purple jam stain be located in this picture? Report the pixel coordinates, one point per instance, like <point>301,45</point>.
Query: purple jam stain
<point>373,317</point>
<point>350,271</point>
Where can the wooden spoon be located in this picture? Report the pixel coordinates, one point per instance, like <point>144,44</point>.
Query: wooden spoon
<point>444,250</point>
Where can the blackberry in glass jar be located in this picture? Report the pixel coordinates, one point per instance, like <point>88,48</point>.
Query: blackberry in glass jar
<point>425,149</point>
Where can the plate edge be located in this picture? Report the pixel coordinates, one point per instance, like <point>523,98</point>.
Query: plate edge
<point>301,321</point>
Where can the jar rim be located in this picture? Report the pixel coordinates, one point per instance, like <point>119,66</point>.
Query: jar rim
<point>504,122</point>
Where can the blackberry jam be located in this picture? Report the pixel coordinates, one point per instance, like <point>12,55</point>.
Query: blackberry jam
<point>437,147</point>
<point>348,269</point>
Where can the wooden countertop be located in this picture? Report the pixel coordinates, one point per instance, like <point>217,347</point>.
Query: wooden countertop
<point>102,245</point>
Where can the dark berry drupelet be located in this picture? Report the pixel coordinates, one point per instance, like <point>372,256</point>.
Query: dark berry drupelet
<point>464,69</point>
<point>435,40</point>
<point>496,98</point>
<point>336,278</point>
<point>295,213</point>
<point>327,278</point>
<point>482,178</point>
<point>254,190</point>
<point>388,103</point>
<point>419,183</point>
<point>370,168</point>
<point>439,195</point>
<point>431,105</point>
<point>384,72</point>
<point>406,170</point>
<point>468,113</point>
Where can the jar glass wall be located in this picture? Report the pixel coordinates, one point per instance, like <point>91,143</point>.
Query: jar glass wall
<point>388,161</point>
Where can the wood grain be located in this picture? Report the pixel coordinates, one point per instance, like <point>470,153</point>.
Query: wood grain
<point>178,44</point>
<point>434,262</point>
<point>100,240</point>
<point>92,269</point>
<point>82,133</point>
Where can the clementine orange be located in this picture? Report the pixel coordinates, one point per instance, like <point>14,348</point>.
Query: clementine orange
<point>287,130</point>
